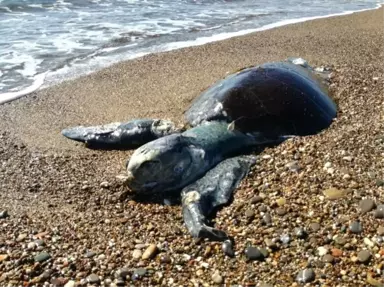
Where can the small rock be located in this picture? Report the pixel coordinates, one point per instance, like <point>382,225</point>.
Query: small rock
<point>380,230</point>
<point>314,226</point>
<point>227,248</point>
<point>327,165</point>
<point>150,252</point>
<point>328,258</point>
<point>334,193</point>
<point>366,205</point>
<point>300,232</point>
<point>322,250</point>
<point>281,211</point>
<point>41,257</point>
<point>293,166</point>
<point>90,254</point>
<point>70,283</point>
<point>3,214</point>
<point>122,273</point>
<point>165,259</point>
<point>348,158</point>
<point>256,199</point>
<point>31,245</point>
<point>250,214</point>
<point>379,212</point>
<point>285,238</point>
<point>217,278</point>
<point>364,256</point>
<point>305,276</point>
<point>281,201</point>
<point>136,254</point>
<point>252,253</point>
<point>22,236</point>
<point>336,252</point>
<point>104,184</point>
<point>368,242</point>
<point>356,227</point>
<point>93,279</point>
<point>139,273</point>
<point>267,219</point>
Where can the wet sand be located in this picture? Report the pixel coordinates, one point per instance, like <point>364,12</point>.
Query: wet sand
<point>69,197</point>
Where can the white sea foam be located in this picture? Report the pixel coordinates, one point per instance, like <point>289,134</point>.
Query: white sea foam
<point>71,39</point>
<point>10,96</point>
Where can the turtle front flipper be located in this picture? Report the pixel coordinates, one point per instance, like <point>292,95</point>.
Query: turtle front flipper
<point>121,135</point>
<point>215,188</point>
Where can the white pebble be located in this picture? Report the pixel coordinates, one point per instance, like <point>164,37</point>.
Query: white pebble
<point>327,165</point>
<point>322,251</point>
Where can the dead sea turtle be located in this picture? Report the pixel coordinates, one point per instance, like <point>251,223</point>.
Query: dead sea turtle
<point>255,106</point>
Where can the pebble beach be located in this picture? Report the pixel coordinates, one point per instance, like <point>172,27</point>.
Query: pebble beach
<point>310,213</point>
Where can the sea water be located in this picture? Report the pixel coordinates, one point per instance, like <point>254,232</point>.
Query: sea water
<point>46,41</point>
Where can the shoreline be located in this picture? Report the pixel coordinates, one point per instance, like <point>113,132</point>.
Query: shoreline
<point>39,84</point>
<point>72,221</point>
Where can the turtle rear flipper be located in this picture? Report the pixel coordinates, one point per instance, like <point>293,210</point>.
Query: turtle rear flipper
<point>121,135</point>
<point>215,188</point>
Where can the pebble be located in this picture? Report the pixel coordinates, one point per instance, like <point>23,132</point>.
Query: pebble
<point>356,227</point>
<point>322,250</point>
<point>368,242</point>
<point>22,236</point>
<point>253,253</point>
<point>328,258</point>
<point>300,232</point>
<point>43,256</point>
<point>366,205</point>
<point>334,193</point>
<point>165,259</point>
<point>150,252</point>
<point>379,212</point>
<point>139,273</point>
<point>70,283</point>
<point>281,201</point>
<point>136,254</point>
<point>364,256</point>
<point>336,252</point>
<point>305,276</point>
<point>285,238</point>
<point>104,184</point>
<point>217,278</point>
<point>280,211</point>
<point>250,214</point>
<point>267,219</point>
<point>314,226</point>
<point>3,214</point>
<point>227,248</point>
<point>93,279</point>
<point>90,254</point>
<point>256,199</point>
<point>293,166</point>
<point>380,230</point>
<point>122,273</point>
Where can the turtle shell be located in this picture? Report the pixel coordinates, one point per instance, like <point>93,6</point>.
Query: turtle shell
<point>275,98</point>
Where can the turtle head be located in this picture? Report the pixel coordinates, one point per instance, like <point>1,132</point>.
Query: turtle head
<point>168,163</point>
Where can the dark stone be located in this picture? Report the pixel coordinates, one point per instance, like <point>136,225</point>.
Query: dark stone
<point>328,258</point>
<point>300,232</point>
<point>3,214</point>
<point>227,248</point>
<point>93,279</point>
<point>267,219</point>
<point>379,212</point>
<point>139,273</point>
<point>356,227</point>
<point>165,259</point>
<point>41,257</point>
<point>253,253</point>
<point>256,199</point>
<point>314,226</point>
<point>306,275</point>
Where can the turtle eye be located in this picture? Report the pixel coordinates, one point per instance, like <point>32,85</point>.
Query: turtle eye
<point>178,169</point>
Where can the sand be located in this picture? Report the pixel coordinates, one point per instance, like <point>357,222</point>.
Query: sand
<point>70,197</point>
